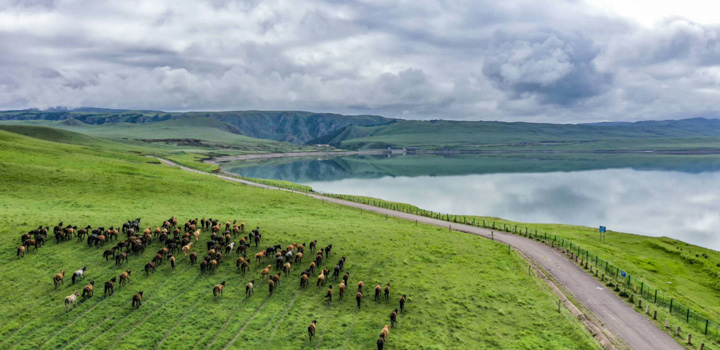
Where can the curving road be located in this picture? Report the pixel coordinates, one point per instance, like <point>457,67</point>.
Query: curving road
<point>616,315</point>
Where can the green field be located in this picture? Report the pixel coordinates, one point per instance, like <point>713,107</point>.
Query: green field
<point>463,290</point>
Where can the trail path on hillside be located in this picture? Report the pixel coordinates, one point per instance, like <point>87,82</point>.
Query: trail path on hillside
<point>615,314</point>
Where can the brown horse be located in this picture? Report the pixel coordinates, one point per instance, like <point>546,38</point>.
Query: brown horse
<point>311,329</point>
<point>59,278</point>
<point>218,289</point>
<point>137,300</point>
<point>110,286</point>
<point>89,290</point>
<point>21,251</point>
<point>125,277</point>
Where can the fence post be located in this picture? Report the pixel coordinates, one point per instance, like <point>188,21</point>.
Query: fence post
<point>687,317</point>
<point>655,302</point>
<point>707,323</point>
<point>671,305</point>
<point>642,284</point>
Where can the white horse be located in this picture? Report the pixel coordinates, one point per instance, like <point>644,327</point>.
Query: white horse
<point>79,274</point>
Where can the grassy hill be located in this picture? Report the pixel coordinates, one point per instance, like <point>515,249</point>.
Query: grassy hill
<point>287,126</point>
<point>444,134</point>
<point>464,291</point>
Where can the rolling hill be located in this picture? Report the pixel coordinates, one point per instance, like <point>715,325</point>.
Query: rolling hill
<point>481,301</point>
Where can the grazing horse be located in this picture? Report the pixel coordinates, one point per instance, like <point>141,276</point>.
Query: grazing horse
<point>358,297</point>
<point>110,286</point>
<point>249,288</point>
<point>137,300</point>
<point>120,257</point>
<point>387,292</point>
<point>342,290</point>
<point>172,261</point>
<point>149,266</point>
<point>31,242</point>
<point>311,329</point>
<point>378,289</point>
<point>21,251</point>
<point>79,274</point>
<point>193,258</point>
<point>271,287</point>
<point>336,272</point>
<point>380,343</point>
<point>402,303</point>
<point>125,277</point>
<point>218,289</point>
<point>109,253</point>
<point>59,278</point>
<point>298,258</point>
<point>89,290</point>
<point>286,269</point>
<point>303,281</point>
<point>385,332</point>
<point>71,300</point>
<point>329,294</point>
<point>265,272</point>
<point>393,318</point>
<point>360,286</point>
<point>186,248</point>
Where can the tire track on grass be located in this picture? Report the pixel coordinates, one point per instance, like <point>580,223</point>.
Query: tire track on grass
<point>133,327</point>
<point>167,280</point>
<point>347,336</point>
<point>167,334</point>
<point>103,333</point>
<point>246,323</point>
<point>218,333</point>
<point>79,317</point>
<point>285,312</point>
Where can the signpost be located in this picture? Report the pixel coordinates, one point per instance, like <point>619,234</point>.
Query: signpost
<point>602,230</point>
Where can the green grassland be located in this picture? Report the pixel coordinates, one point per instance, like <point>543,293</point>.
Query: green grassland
<point>464,291</point>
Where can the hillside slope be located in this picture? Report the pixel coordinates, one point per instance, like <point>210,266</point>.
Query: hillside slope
<point>472,135</point>
<point>463,290</point>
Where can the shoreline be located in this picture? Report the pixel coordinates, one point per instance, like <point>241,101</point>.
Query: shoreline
<point>341,153</point>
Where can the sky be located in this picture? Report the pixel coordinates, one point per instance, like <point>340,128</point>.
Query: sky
<point>560,61</point>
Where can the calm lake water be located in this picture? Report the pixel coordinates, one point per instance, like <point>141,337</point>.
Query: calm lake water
<point>676,196</point>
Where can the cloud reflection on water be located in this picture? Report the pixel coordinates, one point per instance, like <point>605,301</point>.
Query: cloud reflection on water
<point>655,203</point>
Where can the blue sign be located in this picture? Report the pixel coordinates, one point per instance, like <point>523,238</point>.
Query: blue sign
<point>602,229</point>
<point>622,273</point>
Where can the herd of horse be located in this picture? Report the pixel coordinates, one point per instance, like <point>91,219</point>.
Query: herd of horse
<point>176,238</point>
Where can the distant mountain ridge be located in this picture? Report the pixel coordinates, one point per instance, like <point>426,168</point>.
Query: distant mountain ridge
<point>372,131</point>
<point>297,127</point>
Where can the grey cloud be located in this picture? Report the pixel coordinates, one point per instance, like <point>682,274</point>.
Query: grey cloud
<point>559,69</point>
<point>522,60</point>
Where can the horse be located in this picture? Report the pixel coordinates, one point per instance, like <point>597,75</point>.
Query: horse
<point>71,300</point>
<point>137,300</point>
<point>59,278</point>
<point>311,329</point>
<point>110,286</point>
<point>249,288</point>
<point>79,274</point>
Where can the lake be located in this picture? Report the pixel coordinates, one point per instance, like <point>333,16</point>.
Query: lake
<point>654,195</point>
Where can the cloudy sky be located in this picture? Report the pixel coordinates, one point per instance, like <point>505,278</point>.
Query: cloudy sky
<point>562,61</point>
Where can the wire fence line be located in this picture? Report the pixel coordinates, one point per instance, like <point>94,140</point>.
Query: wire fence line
<point>593,261</point>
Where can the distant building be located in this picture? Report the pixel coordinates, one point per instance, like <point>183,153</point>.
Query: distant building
<point>322,145</point>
